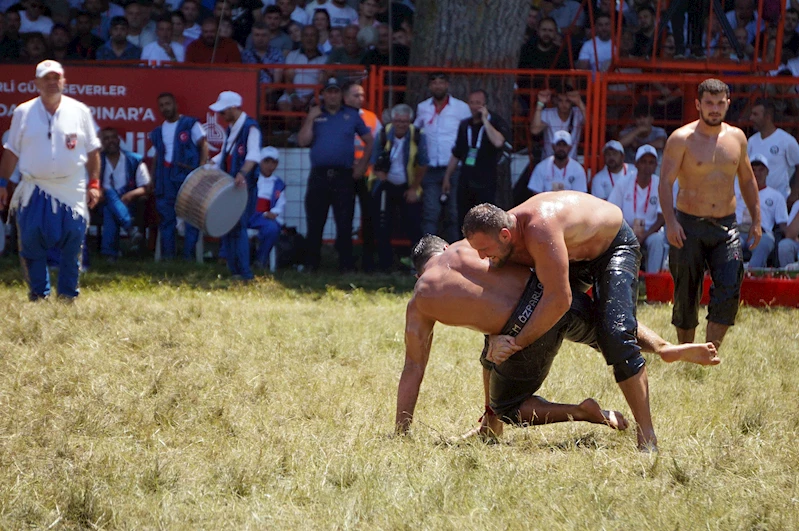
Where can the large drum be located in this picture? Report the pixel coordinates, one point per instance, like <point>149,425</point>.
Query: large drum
<point>209,200</point>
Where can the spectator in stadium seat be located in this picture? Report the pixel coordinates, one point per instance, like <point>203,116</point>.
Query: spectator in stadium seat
<point>277,38</point>
<point>330,132</point>
<point>239,157</point>
<point>560,171</point>
<point>33,19</point>
<point>321,21</point>
<point>542,53</point>
<point>379,54</point>
<point>289,10</point>
<point>191,13</point>
<point>297,99</point>
<point>59,45</point>
<point>180,147</point>
<point>341,14</point>
<point>642,133</point>
<point>785,99</point>
<point>773,212</point>
<point>124,178</point>
<point>531,29</point>
<point>780,149</point>
<point>164,48</point>
<point>478,148</point>
<point>178,29</point>
<point>118,47</point>
<point>11,44</point>
<point>294,32</point>
<point>564,13</point>
<point>367,9</point>
<point>242,18</point>
<point>645,36</point>
<point>568,115</point>
<point>269,207</point>
<point>141,30</point>
<point>637,197</point>
<point>102,11</point>
<point>599,59</point>
<point>35,48</point>
<point>402,37</point>
<point>615,170</point>
<point>202,50</point>
<point>226,30</point>
<point>260,52</point>
<point>440,117</point>
<point>788,249</point>
<point>85,44</point>
<point>790,40</point>
<point>351,53</point>
<point>355,96</point>
<point>402,163</point>
<point>741,37</point>
<point>745,16</point>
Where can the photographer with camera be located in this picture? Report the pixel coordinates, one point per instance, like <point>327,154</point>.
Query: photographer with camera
<point>401,164</point>
<point>478,148</point>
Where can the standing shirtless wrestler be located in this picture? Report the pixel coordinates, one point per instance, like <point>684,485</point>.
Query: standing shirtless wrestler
<point>574,241</point>
<point>705,156</point>
<point>457,287</point>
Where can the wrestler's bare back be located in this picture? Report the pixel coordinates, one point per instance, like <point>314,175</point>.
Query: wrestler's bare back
<point>588,224</point>
<point>457,288</point>
<point>706,168</point>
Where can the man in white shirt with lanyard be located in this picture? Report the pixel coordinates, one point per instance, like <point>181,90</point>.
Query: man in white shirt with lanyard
<point>560,171</point>
<point>53,139</point>
<point>773,211</point>
<point>637,197</point>
<point>439,117</point>
<point>615,170</point>
<point>780,148</point>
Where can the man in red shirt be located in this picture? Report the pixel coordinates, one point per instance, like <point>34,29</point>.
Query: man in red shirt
<point>202,50</point>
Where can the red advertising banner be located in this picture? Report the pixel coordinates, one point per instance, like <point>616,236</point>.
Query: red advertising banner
<point>125,97</point>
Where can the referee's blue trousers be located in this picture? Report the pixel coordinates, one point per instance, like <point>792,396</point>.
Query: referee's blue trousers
<point>39,229</point>
<point>235,243</point>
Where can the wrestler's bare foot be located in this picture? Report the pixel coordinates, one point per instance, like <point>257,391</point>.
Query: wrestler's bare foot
<point>699,353</point>
<point>595,414</point>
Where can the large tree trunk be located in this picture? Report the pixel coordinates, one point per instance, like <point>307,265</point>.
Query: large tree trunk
<point>473,34</point>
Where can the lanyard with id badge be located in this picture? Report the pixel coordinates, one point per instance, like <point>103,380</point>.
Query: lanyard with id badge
<point>471,156</point>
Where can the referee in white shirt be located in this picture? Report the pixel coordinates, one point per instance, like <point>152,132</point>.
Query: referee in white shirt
<point>52,137</point>
<point>440,117</point>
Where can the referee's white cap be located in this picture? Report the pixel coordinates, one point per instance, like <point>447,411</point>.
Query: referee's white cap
<point>644,150</point>
<point>759,159</point>
<point>48,66</point>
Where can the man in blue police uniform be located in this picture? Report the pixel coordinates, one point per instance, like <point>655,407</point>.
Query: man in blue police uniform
<point>180,147</point>
<point>124,179</point>
<point>330,132</point>
<point>239,157</point>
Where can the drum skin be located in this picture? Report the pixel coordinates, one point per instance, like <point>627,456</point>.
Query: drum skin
<point>209,200</point>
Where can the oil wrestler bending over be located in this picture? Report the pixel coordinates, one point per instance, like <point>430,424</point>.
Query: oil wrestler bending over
<point>574,241</point>
<point>458,288</point>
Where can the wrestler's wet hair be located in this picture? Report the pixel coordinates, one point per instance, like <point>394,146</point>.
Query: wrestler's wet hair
<point>426,248</point>
<point>713,86</point>
<point>485,218</point>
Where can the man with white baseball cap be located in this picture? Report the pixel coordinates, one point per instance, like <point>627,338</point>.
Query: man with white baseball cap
<point>637,197</point>
<point>53,140</point>
<point>558,172</point>
<point>269,206</point>
<point>615,169</point>
<point>773,211</point>
<point>239,157</point>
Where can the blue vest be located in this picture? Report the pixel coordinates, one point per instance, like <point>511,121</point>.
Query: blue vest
<point>239,152</point>
<point>132,161</point>
<point>185,154</point>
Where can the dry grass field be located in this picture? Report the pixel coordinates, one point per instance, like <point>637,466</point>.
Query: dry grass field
<point>172,400</point>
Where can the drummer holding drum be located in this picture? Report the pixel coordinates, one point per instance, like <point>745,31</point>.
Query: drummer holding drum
<point>239,157</point>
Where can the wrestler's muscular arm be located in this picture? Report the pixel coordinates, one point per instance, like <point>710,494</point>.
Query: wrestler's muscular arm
<point>546,244</point>
<point>418,338</point>
<point>748,185</point>
<point>673,155</point>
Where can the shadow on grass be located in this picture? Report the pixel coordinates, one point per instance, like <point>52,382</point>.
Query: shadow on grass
<point>138,273</point>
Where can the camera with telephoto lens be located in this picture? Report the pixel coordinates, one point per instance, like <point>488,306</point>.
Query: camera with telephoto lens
<point>383,162</point>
